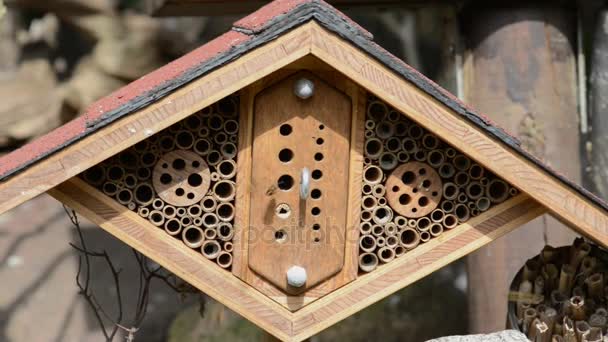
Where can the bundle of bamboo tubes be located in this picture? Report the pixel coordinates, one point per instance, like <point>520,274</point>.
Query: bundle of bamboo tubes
<point>415,187</point>
<point>182,179</point>
<point>561,294</point>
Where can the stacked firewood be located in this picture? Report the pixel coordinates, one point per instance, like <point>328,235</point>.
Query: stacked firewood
<point>561,294</point>
<point>182,179</point>
<point>415,187</point>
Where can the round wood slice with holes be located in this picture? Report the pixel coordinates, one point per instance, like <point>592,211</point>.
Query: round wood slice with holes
<point>414,189</point>
<point>181,178</point>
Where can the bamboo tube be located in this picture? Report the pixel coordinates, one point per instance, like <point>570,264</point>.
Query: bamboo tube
<point>228,246</point>
<point>193,123</point>
<point>382,201</point>
<point>598,321</point>
<point>393,144</point>
<point>228,150</point>
<point>372,175</point>
<point>214,157</point>
<point>588,265</point>
<point>409,145</point>
<point>224,190</point>
<point>435,158</point>
<point>579,254</point>
<point>578,291</point>
<point>377,110</point>
<point>366,189</point>
<point>158,204</point>
<point>392,241</point>
<point>595,286</point>
<point>369,133</point>
<point>403,157</point>
<point>450,221</point>
<point>529,315</point>
<point>195,210</point>
<point>548,254</point>
<point>539,331</point>
<point>181,212</point>
<point>497,191</point>
<point>462,212</point>
<point>211,249</point>
<point>461,179</point>
<point>169,211</point>
<point>582,328</point>
<point>446,170</point>
<point>132,206</point>
<point>412,223</point>
<point>484,181</point>
<point>524,290</point>
<point>462,198</point>
<point>176,127</point>
<point>399,251</point>
<point>430,141</point>
<point>141,146</point>
<point>601,311</point>
<point>386,254</point>
<point>203,132</point>
<point>166,143</point>
<point>557,338</point>
<point>531,269</point>
<point>388,161</point>
<point>476,171</point>
<point>184,140</point>
<point>377,230</point>
<point>143,174</point>
<point>143,212</point>
<point>393,115</point>
<point>539,286</point>
<point>482,204</point>
<point>202,147</point>
<point>390,229</point>
<point>461,162</point>
<point>173,226</point>
<point>208,204</point>
<point>415,132</point>
<point>370,125</point>
<point>437,215</point>
<point>380,241</point>
<point>124,196</point>
<point>210,234</point>
<point>233,138</point>
<point>185,221</point>
<point>226,169</point>
<point>558,299</point>
<point>382,215</point>
<point>373,148</point>
<point>447,207</point>
<point>450,191</point>
<point>551,274</point>
<point>368,262</point>
<point>193,236</point>
<point>450,152</point>
<point>224,259</point>
<point>231,127</point>
<point>225,211</point>
<point>513,191</point>
<point>400,221</point>
<point>474,190</point>
<point>400,129</point>
<point>367,243</point>
<point>420,155</point>
<point>215,122</point>
<point>593,335</point>
<point>549,317</point>
<point>109,188</point>
<point>96,175</point>
<point>366,215</point>
<point>566,279</point>
<point>365,228</point>
<point>436,229</point>
<point>471,205</point>
<point>156,218</point>
<point>225,231</point>
<point>577,306</point>
<point>423,224</point>
<point>425,236</point>
<point>147,159</point>
<point>210,220</point>
<point>378,191</point>
<point>409,238</point>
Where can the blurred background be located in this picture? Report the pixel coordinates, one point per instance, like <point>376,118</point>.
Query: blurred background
<point>537,68</point>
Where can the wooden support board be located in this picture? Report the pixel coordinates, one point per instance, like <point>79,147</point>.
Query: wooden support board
<point>255,306</point>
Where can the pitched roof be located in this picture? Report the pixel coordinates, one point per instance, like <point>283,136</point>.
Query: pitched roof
<point>246,34</point>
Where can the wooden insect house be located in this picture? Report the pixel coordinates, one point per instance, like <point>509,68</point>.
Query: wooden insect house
<point>294,171</point>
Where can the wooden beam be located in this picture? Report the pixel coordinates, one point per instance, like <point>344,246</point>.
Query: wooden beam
<point>139,125</point>
<point>264,312</point>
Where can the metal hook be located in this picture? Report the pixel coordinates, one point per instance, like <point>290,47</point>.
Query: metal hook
<point>304,183</point>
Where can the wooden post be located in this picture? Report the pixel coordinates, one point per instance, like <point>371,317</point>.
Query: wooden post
<point>520,70</point>
<point>598,105</point>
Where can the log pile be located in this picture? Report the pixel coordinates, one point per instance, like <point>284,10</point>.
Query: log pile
<point>561,294</point>
<point>415,187</point>
<point>182,179</point>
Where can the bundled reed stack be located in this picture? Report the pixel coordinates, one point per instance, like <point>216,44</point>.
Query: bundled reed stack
<point>560,295</point>
<point>415,187</point>
<point>182,179</point>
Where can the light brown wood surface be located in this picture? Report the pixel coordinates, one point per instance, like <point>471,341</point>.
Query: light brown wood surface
<point>414,189</point>
<point>169,177</point>
<point>292,135</point>
<point>189,265</point>
<point>349,270</point>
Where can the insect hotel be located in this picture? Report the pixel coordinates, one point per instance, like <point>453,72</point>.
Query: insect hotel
<point>295,171</point>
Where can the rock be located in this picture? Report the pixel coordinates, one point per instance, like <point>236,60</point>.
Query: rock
<point>502,336</point>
